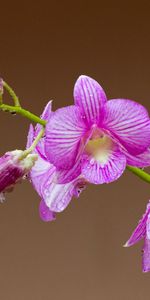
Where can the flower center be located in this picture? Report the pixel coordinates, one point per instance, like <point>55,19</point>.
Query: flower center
<point>99,146</point>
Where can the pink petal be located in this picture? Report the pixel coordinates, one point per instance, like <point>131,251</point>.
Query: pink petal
<point>129,122</point>
<point>141,160</point>
<point>42,172</point>
<point>146,248</point>
<point>46,115</point>
<point>30,136</point>
<point>98,173</point>
<point>65,176</point>
<point>41,175</point>
<point>146,256</point>
<point>90,97</point>
<point>140,230</point>
<point>64,132</point>
<point>45,213</point>
<point>58,196</point>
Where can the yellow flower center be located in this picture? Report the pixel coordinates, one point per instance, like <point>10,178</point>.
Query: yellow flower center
<point>99,146</point>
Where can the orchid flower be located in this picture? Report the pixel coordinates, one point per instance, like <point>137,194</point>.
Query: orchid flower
<point>95,137</point>
<point>54,197</point>
<point>13,168</point>
<point>142,231</point>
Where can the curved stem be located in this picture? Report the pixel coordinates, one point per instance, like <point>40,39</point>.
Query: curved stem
<point>11,93</point>
<point>35,142</point>
<point>140,173</point>
<point>23,112</point>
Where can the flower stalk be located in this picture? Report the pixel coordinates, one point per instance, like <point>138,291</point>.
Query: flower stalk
<point>23,112</point>
<point>140,173</point>
<point>11,93</point>
<point>35,142</point>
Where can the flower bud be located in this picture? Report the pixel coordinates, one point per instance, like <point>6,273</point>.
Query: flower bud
<point>14,165</point>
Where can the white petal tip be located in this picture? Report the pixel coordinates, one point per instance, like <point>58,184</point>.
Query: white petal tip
<point>126,245</point>
<point>146,271</point>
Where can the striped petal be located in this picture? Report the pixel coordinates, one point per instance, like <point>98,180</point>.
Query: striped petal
<point>146,256</point>
<point>46,115</point>
<point>146,248</point>
<point>64,132</point>
<point>42,175</point>
<point>90,97</point>
<point>110,170</point>
<point>129,122</point>
<point>140,231</point>
<point>45,213</point>
<point>55,197</point>
<point>58,196</point>
<point>141,160</point>
<point>43,172</point>
<point>65,176</point>
<point>30,136</point>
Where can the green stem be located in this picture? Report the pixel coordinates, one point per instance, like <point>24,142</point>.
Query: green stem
<point>140,173</point>
<point>11,93</point>
<point>35,142</point>
<point>22,112</point>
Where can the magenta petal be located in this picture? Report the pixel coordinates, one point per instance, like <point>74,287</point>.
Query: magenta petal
<point>141,160</point>
<point>98,173</point>
<point>45,213</point>
<point>63,137</point>
<point>41,175</point>
<point>90,97</point>
<point>146,256</point>
<point>129,122</point>
<point>58,196</point>
<point>46,115</point>
<point>140,230</point>
<point>30,136</point>
<point>146,248</point>
<point>65,176</point>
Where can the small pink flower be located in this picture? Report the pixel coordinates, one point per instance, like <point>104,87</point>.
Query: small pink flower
<point>13,167</point>
<point>97,138</point>
<point>142,231</point>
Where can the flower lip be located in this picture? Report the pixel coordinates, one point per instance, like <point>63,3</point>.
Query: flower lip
<point>98,144</point>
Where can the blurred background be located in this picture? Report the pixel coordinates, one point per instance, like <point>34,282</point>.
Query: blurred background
<point>44,47</point>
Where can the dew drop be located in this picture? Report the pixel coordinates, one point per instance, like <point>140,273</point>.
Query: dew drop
<point>13,113</point>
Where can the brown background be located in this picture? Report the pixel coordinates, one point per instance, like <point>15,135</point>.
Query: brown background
<point>44,47</point>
